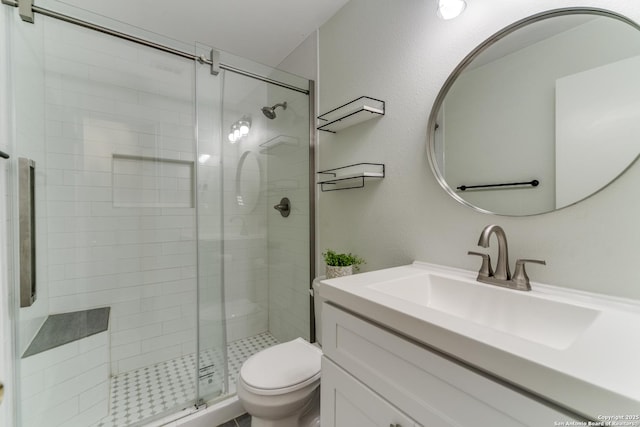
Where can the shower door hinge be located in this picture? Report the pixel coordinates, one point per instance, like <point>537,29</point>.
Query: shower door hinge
<point>213,60</point>
<point>25,9</point>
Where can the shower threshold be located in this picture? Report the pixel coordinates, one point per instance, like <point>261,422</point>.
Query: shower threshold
<point>153,390</point>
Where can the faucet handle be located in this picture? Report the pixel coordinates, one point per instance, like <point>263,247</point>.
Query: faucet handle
<point>485,268</point>
<point>520,278</point>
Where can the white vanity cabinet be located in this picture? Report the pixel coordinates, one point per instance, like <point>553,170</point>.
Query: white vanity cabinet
<point>374,377</point>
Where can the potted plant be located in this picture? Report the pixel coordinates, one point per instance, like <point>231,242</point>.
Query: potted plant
<point>339,265</point>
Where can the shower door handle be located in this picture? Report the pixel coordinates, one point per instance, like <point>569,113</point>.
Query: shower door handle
<point>27,230</point>
<point>284,207</point>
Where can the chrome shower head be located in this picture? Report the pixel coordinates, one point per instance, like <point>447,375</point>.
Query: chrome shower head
<point>270,112</point>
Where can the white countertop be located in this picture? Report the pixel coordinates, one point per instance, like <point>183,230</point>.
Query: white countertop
<point>596,375</point>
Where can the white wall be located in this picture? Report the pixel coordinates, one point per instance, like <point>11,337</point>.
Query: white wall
<point>402,53</point>
<point>303,60</point>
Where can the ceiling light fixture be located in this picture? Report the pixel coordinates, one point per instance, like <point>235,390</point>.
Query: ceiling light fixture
<point>449,9</point>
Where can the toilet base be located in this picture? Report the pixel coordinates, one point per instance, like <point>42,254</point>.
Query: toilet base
<point>309,416</point>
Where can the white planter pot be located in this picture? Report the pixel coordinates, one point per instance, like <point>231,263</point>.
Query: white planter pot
<point>333,272</point>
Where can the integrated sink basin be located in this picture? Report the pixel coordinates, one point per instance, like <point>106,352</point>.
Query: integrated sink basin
<point>544,321</point>
<point>576,349</point>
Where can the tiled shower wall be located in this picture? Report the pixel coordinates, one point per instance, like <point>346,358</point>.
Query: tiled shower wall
<point>288,238</point>
<point>109,100</point>
<point>245,232</point>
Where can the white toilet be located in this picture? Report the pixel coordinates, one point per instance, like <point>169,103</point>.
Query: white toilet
<point>280,386</point>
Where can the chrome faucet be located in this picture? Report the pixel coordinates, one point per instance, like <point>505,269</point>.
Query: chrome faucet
<point>502,275</point>
<point>502,267</point>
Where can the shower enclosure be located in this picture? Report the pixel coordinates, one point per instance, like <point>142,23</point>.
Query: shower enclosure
<point>159,263</point>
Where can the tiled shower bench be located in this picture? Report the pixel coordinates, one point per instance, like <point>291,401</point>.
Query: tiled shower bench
<point>65,370</point>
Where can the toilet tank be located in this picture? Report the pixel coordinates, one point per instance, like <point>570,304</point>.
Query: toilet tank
<point>317,306</point>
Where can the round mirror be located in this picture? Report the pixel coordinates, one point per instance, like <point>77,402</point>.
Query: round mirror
<point>248,182</point>
<point>541,115</point>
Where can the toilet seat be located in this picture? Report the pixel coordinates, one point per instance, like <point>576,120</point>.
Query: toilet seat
<point>282,369</point>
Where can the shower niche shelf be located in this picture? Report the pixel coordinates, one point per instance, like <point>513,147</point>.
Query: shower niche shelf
<point>282,141</point>
<point>352,113</point>
<point>351,176</point>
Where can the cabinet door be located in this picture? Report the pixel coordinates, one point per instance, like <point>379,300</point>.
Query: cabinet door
<point>346,402</point>
<point>431,389</point>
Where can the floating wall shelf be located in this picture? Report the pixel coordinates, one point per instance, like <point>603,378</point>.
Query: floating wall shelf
<point>351,113</point>
<point>352,176</point>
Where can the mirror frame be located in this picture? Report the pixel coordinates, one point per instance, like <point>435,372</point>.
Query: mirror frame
<point>432,123</point>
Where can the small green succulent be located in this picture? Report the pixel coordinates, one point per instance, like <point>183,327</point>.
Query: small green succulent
<point>342,260</point>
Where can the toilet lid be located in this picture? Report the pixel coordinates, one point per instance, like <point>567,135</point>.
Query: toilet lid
<point>282,368</point>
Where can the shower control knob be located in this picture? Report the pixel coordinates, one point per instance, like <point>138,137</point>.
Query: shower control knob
<point>284,207</point>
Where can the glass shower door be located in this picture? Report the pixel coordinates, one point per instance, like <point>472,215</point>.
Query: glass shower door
<point>157,243</point>
<point>262,131</point>
<point>110,128</point>
<point>212,368</point>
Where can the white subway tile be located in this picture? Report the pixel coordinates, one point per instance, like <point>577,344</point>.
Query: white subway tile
<point>158,343</point>
<point>129,336</point>
<point>92,377</point>
<point>166,301</point>
<point>32,384</point>
<point>91,415</point>
<point>65,287</point>
<point>125,308</point>
<point>67,303</point>
<point>95,179</point>
<point>66,209</point>
<point>39,362</point>
<point>119,352</point>
<point>93,342</point>
<point>65,67</point>
<point>151,358</point>
<point>144,319</point>
<point>56,416</point>
<point>75,366</point>
<point>185,323</point>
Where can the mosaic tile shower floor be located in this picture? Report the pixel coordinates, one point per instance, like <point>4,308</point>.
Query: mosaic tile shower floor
<point>149,391</point>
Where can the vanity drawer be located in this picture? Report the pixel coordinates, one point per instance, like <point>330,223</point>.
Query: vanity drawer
<point>431,389</point>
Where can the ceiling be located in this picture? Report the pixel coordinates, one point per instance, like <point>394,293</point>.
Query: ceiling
<point>261,30</point>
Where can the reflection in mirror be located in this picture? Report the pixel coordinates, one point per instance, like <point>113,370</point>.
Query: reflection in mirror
<point>248,182</point>
<point>554,98</point>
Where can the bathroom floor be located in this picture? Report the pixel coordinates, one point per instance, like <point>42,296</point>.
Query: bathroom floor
<point>148,391</point>
<point>242,421</point>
